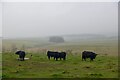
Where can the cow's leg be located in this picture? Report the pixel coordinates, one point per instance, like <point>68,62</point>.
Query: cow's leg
<point>91,59</point>
<point>23,57</point>
<point>20,57</point>
<point>49,57</point>
<point>56,59</point>
<point>85,59</point>
<point>64,58</point>
<point>60,58</point>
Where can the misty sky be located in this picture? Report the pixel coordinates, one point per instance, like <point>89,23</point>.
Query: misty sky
<point>31,19</point>
<point>0,19</point>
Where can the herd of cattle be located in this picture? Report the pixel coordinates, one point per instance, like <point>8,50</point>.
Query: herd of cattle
<point>60,55</point>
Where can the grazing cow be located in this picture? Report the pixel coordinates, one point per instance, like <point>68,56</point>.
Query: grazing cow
<point>88,54</point>
<point>51,54</point>
<point>62,55</point>
<point>21,55</point>
<point>56,55</point>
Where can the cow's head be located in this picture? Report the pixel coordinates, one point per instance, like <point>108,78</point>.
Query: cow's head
<point>17,52</point>
<point>95,55</point>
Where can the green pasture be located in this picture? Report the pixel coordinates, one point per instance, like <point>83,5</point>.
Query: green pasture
<point>38,66</point>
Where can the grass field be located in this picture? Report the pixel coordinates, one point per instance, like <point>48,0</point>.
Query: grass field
<point>0,65</point>
<point>38,66</point>
<point>0,58</point>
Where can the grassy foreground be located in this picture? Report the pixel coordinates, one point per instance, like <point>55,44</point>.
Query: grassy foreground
<point>38,66</point>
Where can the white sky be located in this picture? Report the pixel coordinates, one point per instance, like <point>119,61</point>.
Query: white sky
<point>59,0</point>
<point>0,19</point>
<point>32,19</point>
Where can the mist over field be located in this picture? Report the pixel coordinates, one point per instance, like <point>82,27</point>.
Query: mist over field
<point>43,19</point>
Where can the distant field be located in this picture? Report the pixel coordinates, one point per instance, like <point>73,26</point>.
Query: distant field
<point>104,66</point>
<point>39,45</point>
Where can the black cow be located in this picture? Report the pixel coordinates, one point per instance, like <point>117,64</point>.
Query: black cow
<point>21,55</point>
<point>51,54</point>
<point>62,55</point>
<point>88,54</point>
<point>56,55</point>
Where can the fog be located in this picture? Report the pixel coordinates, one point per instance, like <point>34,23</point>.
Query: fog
<point>0,19</point>
<point>40,19</point>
